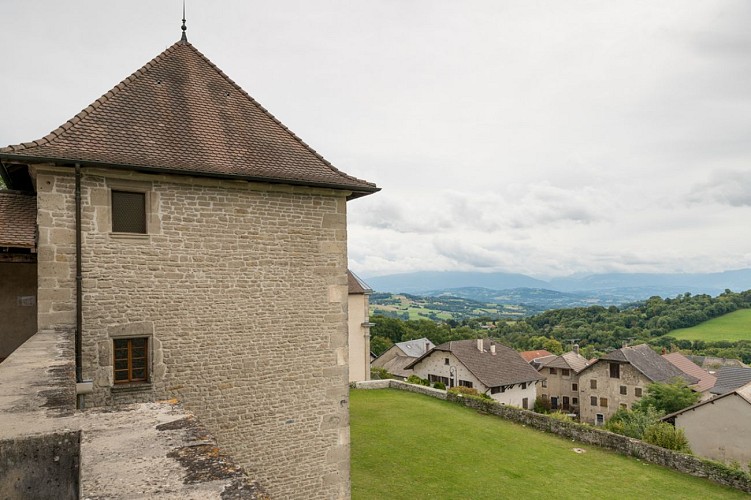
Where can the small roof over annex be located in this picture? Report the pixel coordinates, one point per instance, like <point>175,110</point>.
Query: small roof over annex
<point>567,361</point>
<point>706,380</point>
<point>730,378</point>
<point>743,392</point>
<point>530,356</point>
<point>18,216</point>
<point>180,114</point>
<point>356,285</point>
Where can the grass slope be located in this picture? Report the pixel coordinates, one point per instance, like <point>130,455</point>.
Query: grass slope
<point>732,326</point>
<point>410,446</point>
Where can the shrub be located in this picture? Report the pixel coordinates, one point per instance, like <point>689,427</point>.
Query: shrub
<point>632,423</point>
<point>439,385</point>
<point>561,416</point>
<point>377,373</point>
<point>414,379</point>
<point>468,391</point>
<point>541,405</point>
<point>665,435</point>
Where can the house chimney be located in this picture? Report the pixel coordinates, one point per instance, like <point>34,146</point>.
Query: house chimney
<point>576,348</point>
<point>427,346</point>
<point>492,349</point>
<point>479,345</point>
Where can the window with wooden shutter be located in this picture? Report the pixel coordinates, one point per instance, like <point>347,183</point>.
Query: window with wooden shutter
<point>131,360</point>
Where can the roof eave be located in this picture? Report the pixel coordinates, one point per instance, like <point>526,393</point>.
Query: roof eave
<point>355,191</point>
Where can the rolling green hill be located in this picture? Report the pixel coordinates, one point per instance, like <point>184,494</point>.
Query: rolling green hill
<point>732,327</point>
<point>411,307</point>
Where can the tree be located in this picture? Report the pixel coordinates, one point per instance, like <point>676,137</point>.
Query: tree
<point>379,345</point>
<point>633,423</point>
<point>668,397</point>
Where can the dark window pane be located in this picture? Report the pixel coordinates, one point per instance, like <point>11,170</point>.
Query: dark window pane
<point>121,364</point>
<point>128,212</point>
<point>139,374</point>
<point>121,343</point>
<point>139,363</point>
<point>121,375</point>
<point>139,343</point>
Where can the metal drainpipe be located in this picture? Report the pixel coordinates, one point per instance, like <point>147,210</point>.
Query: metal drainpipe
<point>79,290</point>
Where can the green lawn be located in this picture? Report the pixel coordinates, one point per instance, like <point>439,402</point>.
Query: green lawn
<point>732,326</point>
<point>410,446</point>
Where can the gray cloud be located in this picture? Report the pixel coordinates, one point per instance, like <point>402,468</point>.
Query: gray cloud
<point>731,188</point>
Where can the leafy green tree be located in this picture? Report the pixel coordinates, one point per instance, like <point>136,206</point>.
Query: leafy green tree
<point>668,397</point>
<point>379,345</point>
<point>552,345</point>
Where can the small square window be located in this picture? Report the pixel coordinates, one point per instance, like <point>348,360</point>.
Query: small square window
<point>593,384</point>
<point>593,400</point>
<point>553,371</point>
<point>624,406</point>
<point>131,360</point>
<point>128,212</point>
<point>574,401</point>
<point>544,383</point>
<point>624,390</point>
<point>574,387</point>
<point>615,370</point>
<point>637,392</point>
<point>524,385</point>
<point>600,419</point>
<point>495,390</point>
<point>465,383</point>
<point>525,403</point>
<point>565,372</point>
<point>445,361</point>
<point>604,402</point>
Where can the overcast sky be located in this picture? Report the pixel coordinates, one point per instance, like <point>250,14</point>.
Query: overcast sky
<point>539,137</point>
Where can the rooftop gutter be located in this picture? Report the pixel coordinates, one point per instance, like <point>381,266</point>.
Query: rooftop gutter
<point>356,191</point>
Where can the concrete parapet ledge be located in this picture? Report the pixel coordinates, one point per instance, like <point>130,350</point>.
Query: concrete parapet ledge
<point>149,450</point>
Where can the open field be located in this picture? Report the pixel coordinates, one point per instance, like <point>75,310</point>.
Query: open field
<point>440,308</point>
<point>732,326</point>
<point>410,446</point>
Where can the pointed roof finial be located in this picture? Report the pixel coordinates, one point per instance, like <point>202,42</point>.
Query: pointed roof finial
<point>184,38</point>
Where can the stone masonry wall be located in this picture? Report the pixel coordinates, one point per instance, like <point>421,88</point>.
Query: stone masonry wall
<point>240,288</point>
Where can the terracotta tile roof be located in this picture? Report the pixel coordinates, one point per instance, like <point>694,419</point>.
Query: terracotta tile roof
<point>649,363</point>
<point>356,285</point>
<point>18,220</point>
<point>706,380</point>
<point>180,113</point>
<point>530,355</point>
<point>506,367</point>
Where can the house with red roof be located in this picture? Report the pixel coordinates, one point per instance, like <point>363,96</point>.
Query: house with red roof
<point>194,248</point>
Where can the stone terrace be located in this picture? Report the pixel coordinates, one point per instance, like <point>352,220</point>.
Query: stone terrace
<point>150,450</point>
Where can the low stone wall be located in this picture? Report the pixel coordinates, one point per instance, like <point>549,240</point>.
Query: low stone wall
<point>403,386</point>
<point>681,462</point>
<point>46,466</point>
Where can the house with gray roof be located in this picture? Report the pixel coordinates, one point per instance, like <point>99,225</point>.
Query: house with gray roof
<point>719,428</point>
<point>620,378</point>
<point>482,364</point>
<point>706,381</point>
<point>396,359</point>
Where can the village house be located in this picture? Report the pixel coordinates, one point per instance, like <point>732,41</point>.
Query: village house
<point>359,328</point>
<point>719,428</point>
<point>398,356</point>
<point>619,379</point>
<point>196,249</point>
<point>730,378</point>
<point>561,385</point>
<point>482,364</point>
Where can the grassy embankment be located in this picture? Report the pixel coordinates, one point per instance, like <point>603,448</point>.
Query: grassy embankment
<point>409,446</point>
<point>733,326</point>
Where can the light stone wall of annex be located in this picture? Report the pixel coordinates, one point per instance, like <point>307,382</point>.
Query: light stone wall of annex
<point>241,289</point>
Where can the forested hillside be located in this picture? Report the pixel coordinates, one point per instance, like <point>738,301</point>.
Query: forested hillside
<point>596,329</point>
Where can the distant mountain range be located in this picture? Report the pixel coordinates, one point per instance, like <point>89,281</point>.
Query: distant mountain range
<point>601,289</point>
